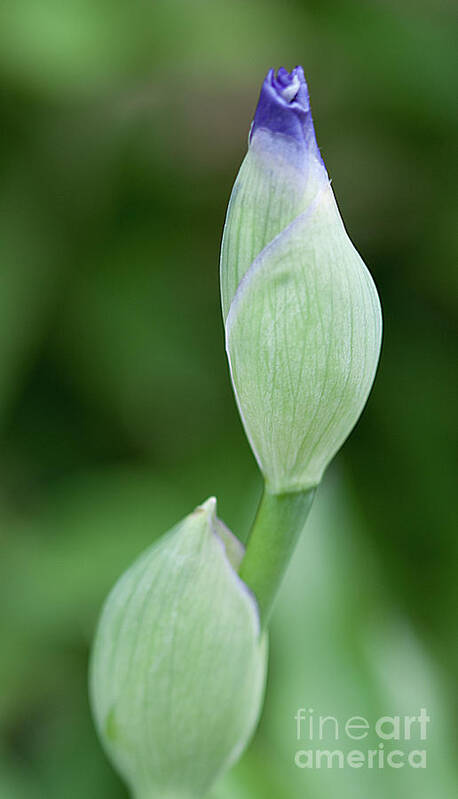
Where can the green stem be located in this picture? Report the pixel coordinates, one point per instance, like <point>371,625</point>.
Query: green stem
<point>279,522</point>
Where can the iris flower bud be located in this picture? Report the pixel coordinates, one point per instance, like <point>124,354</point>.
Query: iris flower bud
<point>302,314</point>
<point>178,665</point>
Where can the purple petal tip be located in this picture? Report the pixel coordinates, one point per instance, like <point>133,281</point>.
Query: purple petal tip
<point>284,106</point>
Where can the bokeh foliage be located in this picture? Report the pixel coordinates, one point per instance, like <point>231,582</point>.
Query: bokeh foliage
<point>123,125</point>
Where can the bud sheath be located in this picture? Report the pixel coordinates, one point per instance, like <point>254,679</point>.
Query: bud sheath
<point>178,666</point>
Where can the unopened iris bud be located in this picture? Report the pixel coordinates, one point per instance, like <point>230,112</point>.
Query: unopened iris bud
<point>302,314</point>
<point>178,665</point>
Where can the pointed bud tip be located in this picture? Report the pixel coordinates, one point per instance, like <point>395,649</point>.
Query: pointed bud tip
<point>208,507</point>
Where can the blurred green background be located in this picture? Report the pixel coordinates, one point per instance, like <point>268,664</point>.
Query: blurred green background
<point>123,125</point>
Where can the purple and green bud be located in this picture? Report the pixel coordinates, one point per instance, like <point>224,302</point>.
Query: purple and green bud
<point>302,315</point>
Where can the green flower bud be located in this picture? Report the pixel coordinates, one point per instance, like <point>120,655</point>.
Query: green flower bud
<point>178,665</point>
<point>302,314</point>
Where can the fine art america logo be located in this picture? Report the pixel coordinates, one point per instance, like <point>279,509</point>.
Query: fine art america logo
<point>388,742</point>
